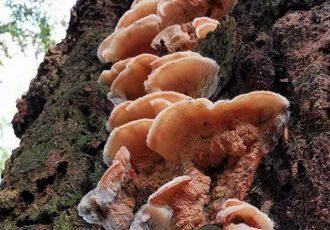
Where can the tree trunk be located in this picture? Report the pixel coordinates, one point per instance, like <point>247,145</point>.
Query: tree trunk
<point>277,45</point>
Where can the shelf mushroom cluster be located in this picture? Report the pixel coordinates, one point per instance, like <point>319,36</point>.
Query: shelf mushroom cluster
<point>177,23</point>
<point>166,138</point>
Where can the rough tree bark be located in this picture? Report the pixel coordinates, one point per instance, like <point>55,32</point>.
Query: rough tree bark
<point>276,45</point>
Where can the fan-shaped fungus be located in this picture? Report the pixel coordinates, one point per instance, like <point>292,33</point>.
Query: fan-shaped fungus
<point>243,129</point>
<point>147,106</point>
<point>181,11</point>
<point>132,135</point>
<point>207,132</point>
<point>130,41</point>
<point>138,11</point>
<point>195,76</point>
<point>108,76</point>
<point>250,216</point>
<point>128,84</point>
<point>99,205</point>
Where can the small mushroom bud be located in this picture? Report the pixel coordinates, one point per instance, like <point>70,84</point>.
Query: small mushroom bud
<point>204,25</point>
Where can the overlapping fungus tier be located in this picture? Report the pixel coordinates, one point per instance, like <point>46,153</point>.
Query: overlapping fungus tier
<point>169,20</point>
<point>164,142</point>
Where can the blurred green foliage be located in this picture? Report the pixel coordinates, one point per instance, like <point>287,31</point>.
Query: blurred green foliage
<point>29,24</point>
<point>4,153</point>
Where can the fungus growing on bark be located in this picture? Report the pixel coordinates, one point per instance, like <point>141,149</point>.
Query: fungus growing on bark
<point>138,11</point>
<point>130,41</point>
<point>207,132</point>
<point>100,206</point>
<point>242,130</point>
<point>147,106</point>
<point>185,195</point>
<point>193,75</point>
<point>133,136</point>
<point>204,25</point>
<point>181,11</point>
<point>127,78</point>
<point>151,217</point>
<point>108,76</point>
<point>250,217</point>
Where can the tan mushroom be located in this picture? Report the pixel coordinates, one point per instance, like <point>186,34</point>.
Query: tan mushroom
<point>133,136</point>
<point>195,76</point>
<point>205,132</point>
<point>181,11</point>
<point>147,106</point>
<point>130,41</point>
<point>250,216</point>
<point>128,85</point>
<point>108,76</point>
<point>138,11</point>
<point>107,205</point>
<point>174,56</point>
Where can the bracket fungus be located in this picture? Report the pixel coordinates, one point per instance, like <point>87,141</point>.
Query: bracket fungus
<point>192,74</point>
<point>133,136</point>
<point>207,132</point>
<point>250,217</point>
<point>138,11</point>
<point>107,205</point>
<point>147,106</point>
<point>126,78</point>
<point>130,41</point>
<point>242,130</point>
<point>181,11</point>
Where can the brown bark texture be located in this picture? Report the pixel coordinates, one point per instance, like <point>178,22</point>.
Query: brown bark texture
<point>277,45</point>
